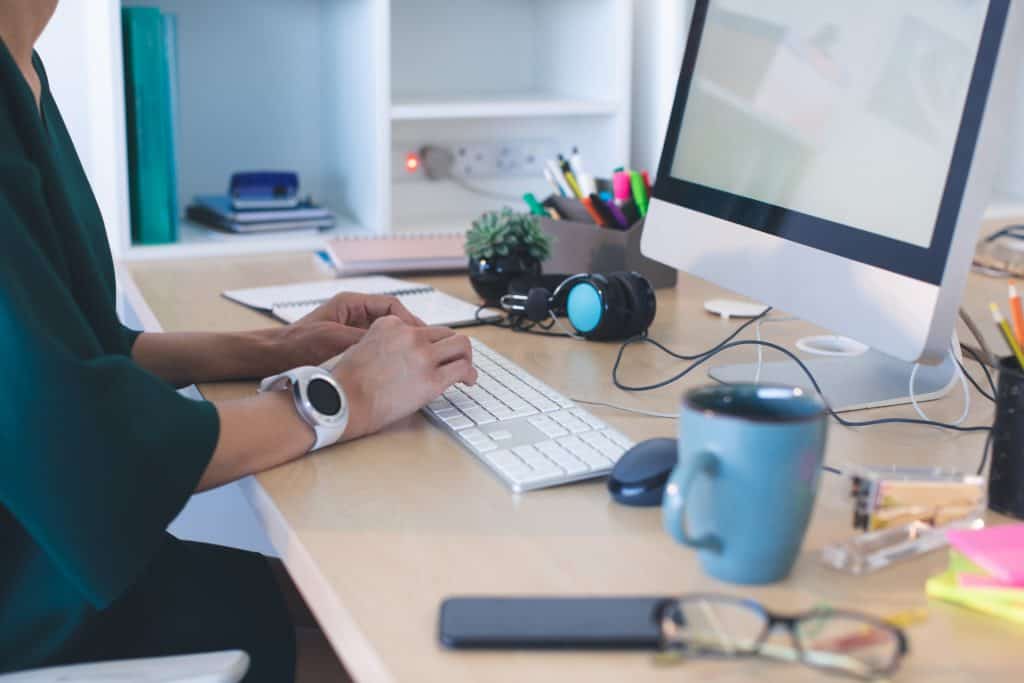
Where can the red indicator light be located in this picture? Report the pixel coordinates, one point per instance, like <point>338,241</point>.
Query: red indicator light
<point>412,162</point>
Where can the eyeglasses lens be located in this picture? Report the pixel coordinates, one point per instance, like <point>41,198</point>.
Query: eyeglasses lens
<point>713,626</point>
<point>836,641</point>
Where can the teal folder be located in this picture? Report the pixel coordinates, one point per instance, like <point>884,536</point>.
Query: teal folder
<point>152,179</point>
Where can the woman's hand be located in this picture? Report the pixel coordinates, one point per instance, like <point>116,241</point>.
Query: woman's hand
<point>335,326</point>
<point>397,368</point>
<point>184,358</point>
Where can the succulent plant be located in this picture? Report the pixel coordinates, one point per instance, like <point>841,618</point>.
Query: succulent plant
<point>500,233</point>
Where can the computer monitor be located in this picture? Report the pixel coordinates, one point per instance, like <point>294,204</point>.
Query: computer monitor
<point>833,159</point>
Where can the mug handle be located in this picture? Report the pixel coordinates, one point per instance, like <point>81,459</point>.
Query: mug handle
<point>673,508</point>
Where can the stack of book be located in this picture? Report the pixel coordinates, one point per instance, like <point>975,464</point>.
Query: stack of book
<point>151,96</point>
<point>986,572</point>
<point>217,211</point>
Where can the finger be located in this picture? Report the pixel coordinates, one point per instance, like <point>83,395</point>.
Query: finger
<point>452,373</point>
<point>435,334</point>
<point>456,347</point>
<point>378,306</point>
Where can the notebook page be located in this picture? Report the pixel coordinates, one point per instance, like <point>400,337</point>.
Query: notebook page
<point>432,307</point>
<point>268,298</point>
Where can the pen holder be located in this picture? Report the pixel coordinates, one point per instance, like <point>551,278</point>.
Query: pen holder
<point>1006,475</point>
<point>581,246</point>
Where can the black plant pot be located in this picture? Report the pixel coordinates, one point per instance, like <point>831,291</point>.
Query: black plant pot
<point>491,277</point>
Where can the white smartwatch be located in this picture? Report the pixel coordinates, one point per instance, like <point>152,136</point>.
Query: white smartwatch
<point>319,400</point>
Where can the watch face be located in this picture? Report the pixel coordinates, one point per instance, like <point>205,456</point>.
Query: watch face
<point>324,397</point>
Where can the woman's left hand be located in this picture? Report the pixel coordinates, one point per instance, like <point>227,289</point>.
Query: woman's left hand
<point>335,326</point>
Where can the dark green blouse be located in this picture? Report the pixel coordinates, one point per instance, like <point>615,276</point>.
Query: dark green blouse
<point>97,455</point>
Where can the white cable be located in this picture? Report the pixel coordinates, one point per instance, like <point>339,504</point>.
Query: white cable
<point>760,349</point>
<point>636,411</point>
<point>963,384</point>
<point>563,328</point>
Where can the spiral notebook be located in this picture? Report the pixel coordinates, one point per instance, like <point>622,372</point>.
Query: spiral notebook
<point>291,302</point>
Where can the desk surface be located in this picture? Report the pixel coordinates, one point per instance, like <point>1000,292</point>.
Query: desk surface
<point>377,532</point>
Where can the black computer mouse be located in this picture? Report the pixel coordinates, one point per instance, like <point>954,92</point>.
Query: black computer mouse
<point>640,475</point>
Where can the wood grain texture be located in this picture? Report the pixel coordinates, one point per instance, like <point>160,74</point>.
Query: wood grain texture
<point>377,532</point>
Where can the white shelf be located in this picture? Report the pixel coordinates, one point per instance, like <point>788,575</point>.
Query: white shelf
<point>195,240</point>
<point>498,106</point>
<point>340,90</point>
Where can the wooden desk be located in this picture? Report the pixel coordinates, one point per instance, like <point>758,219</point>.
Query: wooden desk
<point>378,531</point>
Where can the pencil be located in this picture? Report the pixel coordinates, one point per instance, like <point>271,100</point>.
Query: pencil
<point>1016,313</point>
<point>1004,327</point>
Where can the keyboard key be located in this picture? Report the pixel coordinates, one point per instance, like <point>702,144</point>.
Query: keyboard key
<point>484,446</point>
<point>501,412</point>
<point>479,416</point>
<point>618,438</point>
<point>501,435</point>
<point>534,479</point>
<point>439,404</point>
<point>572,444</point>
<point>594,459</point>
<point>545,405</point>
<point>552,430</point>
<point>503,458</point>
<point>590,420</point>
<point>576,426</point>
<point>572,465</point>
<point>530,455</point>
<point>474,436</point>
<point>446,413</point>
<point>459,422</point>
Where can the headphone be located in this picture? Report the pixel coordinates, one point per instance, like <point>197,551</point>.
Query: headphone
<point>599,307</point>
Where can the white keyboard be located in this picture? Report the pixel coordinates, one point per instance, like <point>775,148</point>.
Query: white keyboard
<point>530,435</point>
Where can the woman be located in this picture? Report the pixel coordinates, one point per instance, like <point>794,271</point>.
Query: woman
<point>98,452</point>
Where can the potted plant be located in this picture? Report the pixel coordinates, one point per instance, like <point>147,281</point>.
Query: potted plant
<point>503,245</point>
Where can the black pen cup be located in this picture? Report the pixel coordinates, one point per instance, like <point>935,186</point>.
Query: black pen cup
<point>1006,474</point>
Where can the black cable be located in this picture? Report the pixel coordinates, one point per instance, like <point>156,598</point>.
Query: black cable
<point>519,323</point>
<point>814,382</point>
<point>984,452</point>
<point>713,349</point>
<point>984,368</point>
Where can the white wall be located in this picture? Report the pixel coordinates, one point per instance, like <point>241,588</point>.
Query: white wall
<point>660,29</point>
<point>87,83</point>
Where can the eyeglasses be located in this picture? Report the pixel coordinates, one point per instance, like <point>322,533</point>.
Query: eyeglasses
<point>850,643</point>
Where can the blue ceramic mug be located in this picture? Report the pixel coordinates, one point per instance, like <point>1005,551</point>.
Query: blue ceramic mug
<point>743,489</point>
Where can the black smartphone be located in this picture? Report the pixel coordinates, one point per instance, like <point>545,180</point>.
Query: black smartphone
<point>585,623</point>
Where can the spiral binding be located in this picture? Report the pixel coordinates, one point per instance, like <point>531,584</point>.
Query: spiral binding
<point>411,291</point>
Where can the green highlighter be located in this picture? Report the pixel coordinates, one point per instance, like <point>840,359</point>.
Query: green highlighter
<point>640,196</point>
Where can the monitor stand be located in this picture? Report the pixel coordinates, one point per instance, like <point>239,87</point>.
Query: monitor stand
<point>868,380</point>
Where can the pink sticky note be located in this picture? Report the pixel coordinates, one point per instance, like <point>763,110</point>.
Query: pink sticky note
<point>999,550</point>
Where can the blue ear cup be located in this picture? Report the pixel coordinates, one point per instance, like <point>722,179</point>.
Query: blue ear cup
<point>585,307</point>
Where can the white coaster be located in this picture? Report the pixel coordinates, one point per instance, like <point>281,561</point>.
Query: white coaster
<point>731,308</point>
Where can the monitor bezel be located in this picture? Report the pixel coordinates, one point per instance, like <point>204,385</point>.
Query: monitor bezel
<point>926,264</point>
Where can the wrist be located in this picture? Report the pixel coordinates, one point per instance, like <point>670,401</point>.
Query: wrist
<point>360,403</point>
<point>297,433</point>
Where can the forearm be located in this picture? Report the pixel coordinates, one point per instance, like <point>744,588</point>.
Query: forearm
<point>184,358</point>
<point>256,434</point>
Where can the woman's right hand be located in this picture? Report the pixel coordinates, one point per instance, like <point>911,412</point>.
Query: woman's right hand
<point>396,369</point>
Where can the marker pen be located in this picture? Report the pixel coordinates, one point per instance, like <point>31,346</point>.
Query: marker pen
<point>640,195</point>
<point>569,177</point>
<point>535,208</point>
<point>556,175</point>
<point>576,163</point>
<point>615,211</point>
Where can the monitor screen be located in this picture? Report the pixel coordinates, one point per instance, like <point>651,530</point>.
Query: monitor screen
<point>829,122</point>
